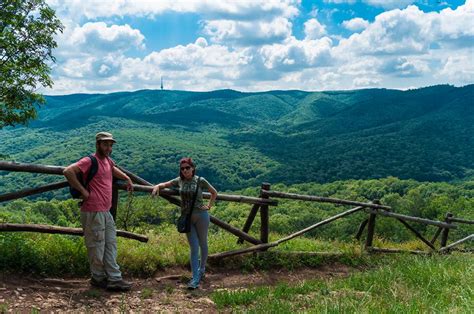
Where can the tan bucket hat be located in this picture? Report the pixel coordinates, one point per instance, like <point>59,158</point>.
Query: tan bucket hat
<point>104,136</point>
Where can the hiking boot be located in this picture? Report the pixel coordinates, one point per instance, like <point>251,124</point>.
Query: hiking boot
<point>99,283</point>
<point>119,285</point>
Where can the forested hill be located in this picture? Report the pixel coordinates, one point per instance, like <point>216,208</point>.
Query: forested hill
<point>241,139</point>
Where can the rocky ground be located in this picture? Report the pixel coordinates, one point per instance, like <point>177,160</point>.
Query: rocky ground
<point>165,292</point>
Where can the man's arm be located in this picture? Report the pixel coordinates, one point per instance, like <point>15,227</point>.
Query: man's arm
<point>70,173</point>
<point>119,174</point>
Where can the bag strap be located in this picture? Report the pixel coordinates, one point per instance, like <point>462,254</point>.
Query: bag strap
<point>92,171</point>
<point>194,197</point>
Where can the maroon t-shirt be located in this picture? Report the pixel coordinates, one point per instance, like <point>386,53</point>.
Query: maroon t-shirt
<point>100,187</point>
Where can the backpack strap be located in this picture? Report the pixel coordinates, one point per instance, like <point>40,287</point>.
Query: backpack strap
<point>92,171</point>
<point>194,197</point>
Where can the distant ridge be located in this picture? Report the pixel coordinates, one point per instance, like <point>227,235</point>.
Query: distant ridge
<point>241,139</point>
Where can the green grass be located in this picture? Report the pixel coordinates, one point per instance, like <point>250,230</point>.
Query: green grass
<point>57,255</point>
<point>47,254</point>
<point>43,254</point>
<point>146,293</point>
<point>3,308</point>
<point>394,283</point>
<point>92,293</point>
<point>398,284</point>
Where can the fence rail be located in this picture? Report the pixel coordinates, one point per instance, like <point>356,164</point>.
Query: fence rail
<point>63,230</point>
<point>206,195</point>
<point>261,204</point>
<point>313,198</point>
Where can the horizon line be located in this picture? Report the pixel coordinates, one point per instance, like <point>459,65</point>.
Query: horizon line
<point>257,92</point>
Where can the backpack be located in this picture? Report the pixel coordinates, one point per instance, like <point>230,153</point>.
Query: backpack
<point>90,175</point>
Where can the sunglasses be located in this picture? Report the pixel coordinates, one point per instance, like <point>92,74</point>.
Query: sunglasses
<point>185,168</point>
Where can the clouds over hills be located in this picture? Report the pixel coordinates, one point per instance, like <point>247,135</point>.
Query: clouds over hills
<point>256,45</point>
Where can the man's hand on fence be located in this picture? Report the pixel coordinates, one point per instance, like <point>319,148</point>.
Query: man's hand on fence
<point>129,185</point>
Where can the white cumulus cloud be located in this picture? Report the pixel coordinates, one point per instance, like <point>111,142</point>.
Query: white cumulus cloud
<point>313,29</point>
<point>456,26</point>
<point>394,32</point>
<point>459,68</point>
<point>356,24</point>
<point>235,10</point>
<point>248,33</point>
<point>405,67</point>
<point>297,54</point>
<point>99,36</point>
<point>249,45</point>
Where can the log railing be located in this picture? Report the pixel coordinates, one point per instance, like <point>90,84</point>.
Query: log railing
<point>313,198</point>
<point>445,232</point>
<point>141,185</point>
<point>220,197</point>
<point>261,203</point>
<point>33,191</point>
<point>63,230</point>
<point>168,194</point>
<point>373,208</point>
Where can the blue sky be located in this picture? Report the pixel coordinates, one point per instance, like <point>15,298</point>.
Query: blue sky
<point>257,45</point>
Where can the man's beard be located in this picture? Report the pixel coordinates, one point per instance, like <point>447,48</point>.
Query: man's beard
<point>103,153</point>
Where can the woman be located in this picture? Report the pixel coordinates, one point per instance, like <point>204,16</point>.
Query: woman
<point>197,237</point>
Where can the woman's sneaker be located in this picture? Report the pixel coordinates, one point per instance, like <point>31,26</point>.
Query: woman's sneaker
<point>202,274</point>
<point>193,284</point>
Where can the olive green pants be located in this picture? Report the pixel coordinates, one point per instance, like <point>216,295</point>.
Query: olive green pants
<point>101,242</point>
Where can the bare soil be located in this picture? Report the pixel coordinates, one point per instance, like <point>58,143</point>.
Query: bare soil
<point>165,292</point>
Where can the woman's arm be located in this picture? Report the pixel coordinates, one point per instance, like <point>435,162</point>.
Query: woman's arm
<point>213,192</point>
<point>162,185</point>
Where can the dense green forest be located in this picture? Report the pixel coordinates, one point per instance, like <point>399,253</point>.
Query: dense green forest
<point>242,139</point>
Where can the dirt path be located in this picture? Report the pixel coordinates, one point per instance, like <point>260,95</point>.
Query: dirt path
<point>20,294</point>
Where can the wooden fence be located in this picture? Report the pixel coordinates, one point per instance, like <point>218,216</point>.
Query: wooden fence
<point>260,204</point>
<point>140,185</point>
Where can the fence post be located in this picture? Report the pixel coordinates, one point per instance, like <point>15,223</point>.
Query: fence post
<point>361,229</point>
<point>264,216</point>
<point>113,209</point>
<point>371,228</point>
<point>444,235</point>
<point>249,221</point>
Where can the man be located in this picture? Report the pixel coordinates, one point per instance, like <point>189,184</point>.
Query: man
<point>96,219</point>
